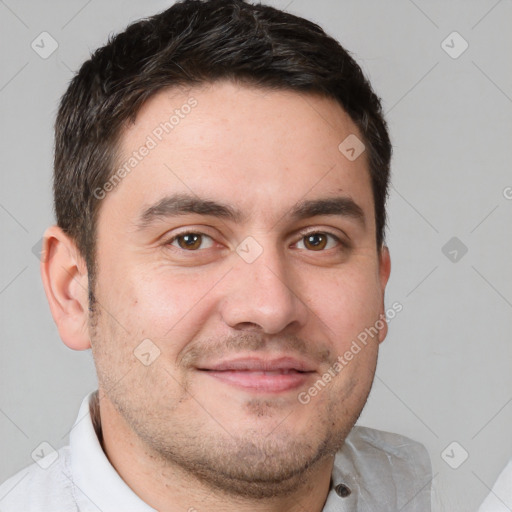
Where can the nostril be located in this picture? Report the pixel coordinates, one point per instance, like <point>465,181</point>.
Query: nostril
<point>248,326</point>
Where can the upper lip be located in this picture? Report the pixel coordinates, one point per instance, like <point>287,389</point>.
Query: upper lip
<point>260,364</point>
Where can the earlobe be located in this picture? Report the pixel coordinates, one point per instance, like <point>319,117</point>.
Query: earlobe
<point>64,275</point>
<point>384,273</point>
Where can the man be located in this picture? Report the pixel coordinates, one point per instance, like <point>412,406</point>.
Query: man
<point>221,172</point>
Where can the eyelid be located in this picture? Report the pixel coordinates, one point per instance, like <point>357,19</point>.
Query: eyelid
<point>168,241</point>
<point>342,240</point>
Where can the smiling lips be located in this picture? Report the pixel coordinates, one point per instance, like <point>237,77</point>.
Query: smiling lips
<point>264,375</point>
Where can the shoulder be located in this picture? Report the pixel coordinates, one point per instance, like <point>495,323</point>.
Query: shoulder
<point>42,487</point>
<point>395,448</point>
<point>387,471</point>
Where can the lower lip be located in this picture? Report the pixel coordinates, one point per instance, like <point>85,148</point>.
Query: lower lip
<point>260,381</point>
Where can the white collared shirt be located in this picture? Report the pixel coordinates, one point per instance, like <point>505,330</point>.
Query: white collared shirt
<point>375,471</point>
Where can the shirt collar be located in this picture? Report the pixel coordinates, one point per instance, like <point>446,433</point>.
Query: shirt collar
<point>95,478</point>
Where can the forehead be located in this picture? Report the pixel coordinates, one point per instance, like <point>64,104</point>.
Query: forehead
<point>260,149</point>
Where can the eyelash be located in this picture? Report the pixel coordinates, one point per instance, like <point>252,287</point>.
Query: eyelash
<point>303,234</point>
<point>341,245</point>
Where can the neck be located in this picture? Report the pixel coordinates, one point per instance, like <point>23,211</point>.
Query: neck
<point>167,487</point>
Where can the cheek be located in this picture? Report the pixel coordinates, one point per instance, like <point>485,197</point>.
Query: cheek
<point>346,302</point>
<point>164,304</point>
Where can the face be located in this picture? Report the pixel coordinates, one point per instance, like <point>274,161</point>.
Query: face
<point>236,264</point>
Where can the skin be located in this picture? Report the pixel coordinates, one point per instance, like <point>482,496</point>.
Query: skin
<point>179,436</point>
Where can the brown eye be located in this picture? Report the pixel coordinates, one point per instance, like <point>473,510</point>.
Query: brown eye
<point>319,241</point>
<point>190,241</point>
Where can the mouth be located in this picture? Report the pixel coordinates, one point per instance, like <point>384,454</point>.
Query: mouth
<point>261,375</point>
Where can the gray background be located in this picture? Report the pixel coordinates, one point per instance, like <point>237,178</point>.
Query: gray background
<point>444,372</point>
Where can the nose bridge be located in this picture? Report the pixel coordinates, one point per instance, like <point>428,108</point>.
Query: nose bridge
<point>261,292</point>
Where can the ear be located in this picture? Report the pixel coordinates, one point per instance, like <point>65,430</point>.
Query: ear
<point>64,275</point>
<point>384,272</point>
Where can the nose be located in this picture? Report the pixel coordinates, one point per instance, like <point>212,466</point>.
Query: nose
<point>262,296</point>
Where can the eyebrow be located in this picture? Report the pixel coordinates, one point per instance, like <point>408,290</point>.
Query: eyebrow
<point>183,204</point>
